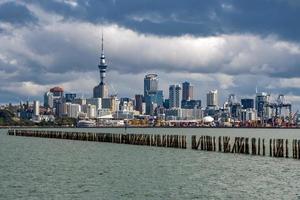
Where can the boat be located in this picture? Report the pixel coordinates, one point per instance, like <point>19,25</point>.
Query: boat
<point>86,124</point>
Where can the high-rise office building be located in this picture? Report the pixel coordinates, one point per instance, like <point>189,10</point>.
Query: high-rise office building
<point>187,91</point>
<point>247,103</point>
<point>48,100</point>
<point>175,96</point>
<point>150,83</point>
<point>212,98</point>
<point>153,96</point>
<point>152,100</point>
<point>101,90</point>
<point>261,100</point>
<point>139,103</point>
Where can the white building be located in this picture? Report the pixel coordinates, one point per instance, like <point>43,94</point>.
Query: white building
<point>36,108</point>
<point>212,98</point>
<point>184,114</point>
<point>72,110</point>
<point>248,115</point>
<point>92,111</point>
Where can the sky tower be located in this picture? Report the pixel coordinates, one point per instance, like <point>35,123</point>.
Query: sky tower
<point>101,90</point>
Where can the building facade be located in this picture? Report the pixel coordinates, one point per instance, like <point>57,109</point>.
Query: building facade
<point>212,98</point>
<point>187,91</point>
<point>174,96</point>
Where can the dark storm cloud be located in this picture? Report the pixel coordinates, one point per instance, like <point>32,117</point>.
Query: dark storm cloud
<point>229,45</point>
<point>169,17</point>
<point>12,12</point>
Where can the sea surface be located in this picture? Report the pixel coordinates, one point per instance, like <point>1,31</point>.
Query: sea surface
<point>41,168</point>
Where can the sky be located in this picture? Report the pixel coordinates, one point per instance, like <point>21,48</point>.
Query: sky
<point>234,46</point>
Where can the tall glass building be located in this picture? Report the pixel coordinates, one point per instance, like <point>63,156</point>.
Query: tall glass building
<point>150,83</point>
<point>175,96</point>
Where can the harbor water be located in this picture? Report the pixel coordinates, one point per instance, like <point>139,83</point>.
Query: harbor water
<point>42,168</point>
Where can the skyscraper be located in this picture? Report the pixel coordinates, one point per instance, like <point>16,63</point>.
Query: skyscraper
<point>174,96</point>
<point>212,98</point>
<point>150,83</point>
<point>101,90</point>
<point>139,103</point>
<point>48,100</point>
<point>187,91</point>
<point>153,96</point>
<point>261,100</point>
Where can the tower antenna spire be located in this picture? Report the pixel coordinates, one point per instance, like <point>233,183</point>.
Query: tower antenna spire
<point>102,47</point>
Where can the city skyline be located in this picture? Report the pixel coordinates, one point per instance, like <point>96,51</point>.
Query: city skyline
<point>266,58</point>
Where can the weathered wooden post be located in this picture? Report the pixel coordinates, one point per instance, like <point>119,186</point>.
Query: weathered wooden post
<point>258,146</point>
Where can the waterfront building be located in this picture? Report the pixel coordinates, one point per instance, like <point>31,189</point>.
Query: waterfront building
<point>101,90</point>
<point>95,101</point>
<point>69,97</point>
<point>190,104</point>
<point>104,113</point>
<point>48,100</point>
<point>152,100</point>
<point>36,108</point>
<point>235,110</point>
<point>139,103</point>
<point>61,109</point>
<point>153,97</point>
<point>143,108</point>
<point>112,103</point>
<point>150,83</point>
<point>126,105</point>
<point>247,103</point>
<point>248,115</point>
<point>80,101</point>
<point>212,98</point>
<point>123,114</point>
<point>183,114</point>
<point>72,110</point>
<point>175,96</point>
<point>187,91</point>
<point>261,100</point>
<point>91,111</point>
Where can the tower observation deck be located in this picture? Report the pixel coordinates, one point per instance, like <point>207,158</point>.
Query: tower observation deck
<point>101,90</point>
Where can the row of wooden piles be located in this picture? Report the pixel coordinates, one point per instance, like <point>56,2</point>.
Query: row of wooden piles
<point>242,145</point>
<point>171,141</point>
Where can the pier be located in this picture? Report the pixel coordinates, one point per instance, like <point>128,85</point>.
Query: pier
<point>278,148</point>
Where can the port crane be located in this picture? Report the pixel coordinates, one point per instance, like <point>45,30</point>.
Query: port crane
<point>277,107</point>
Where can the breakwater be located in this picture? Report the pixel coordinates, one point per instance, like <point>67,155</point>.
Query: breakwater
<point>278,148</point>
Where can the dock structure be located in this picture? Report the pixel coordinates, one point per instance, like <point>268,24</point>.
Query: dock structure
<point>278,148</point>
